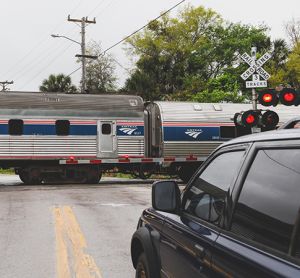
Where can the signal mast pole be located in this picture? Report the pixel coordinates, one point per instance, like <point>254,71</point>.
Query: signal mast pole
<point>254,95</point>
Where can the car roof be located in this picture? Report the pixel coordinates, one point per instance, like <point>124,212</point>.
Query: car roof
<point>274,135</point>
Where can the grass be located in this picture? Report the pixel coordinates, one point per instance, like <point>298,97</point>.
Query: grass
<point>129,176</point>
<point>9,171</point>
<point>118,175</point>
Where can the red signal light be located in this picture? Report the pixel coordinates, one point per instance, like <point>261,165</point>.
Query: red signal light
<point>288,96</point>
<point>250,119</point>
<point>268,98</point>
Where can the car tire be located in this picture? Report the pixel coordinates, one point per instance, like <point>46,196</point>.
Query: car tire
<point>142,267</point>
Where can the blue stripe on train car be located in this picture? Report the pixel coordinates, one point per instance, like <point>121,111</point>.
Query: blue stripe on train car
<point>31,129</point>
<point>83,130</point>
<point>4,129</point>
<point>39,130</point>
<point>198,133</point>
<point>130,130</point>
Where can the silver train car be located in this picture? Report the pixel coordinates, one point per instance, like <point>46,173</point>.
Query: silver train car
<point>74,138</point>
<point>183,129</point>
<point>38,130</point>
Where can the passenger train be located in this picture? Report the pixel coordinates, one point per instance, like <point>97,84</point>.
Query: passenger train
<point>75,138</point>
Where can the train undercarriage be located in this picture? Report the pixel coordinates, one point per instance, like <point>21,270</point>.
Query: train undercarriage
<point>42,173</point>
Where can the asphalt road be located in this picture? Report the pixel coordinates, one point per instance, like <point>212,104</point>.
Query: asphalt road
<point>69,230</point>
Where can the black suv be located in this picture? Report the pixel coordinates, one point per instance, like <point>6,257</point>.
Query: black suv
<point>239,216</point>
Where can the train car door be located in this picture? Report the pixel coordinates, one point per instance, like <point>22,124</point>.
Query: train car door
<point>107,139</point>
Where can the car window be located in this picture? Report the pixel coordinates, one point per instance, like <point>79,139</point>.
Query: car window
<point>205,198</point>
<point>267,211</point>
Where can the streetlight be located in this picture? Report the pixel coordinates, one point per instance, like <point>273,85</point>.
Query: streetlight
<point>83,56</point>
<point>59,36</point>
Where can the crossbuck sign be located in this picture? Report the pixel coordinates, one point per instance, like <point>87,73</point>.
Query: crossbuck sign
<point>256,71</point>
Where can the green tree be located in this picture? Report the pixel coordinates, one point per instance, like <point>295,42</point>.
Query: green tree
<point>293,67</point>
<point>181,55</point>
<point>100,76</point>
<point>276,66</point>
<point>58,83</point>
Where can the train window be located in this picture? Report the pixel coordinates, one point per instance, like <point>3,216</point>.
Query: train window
<point>62,127</point>
<point>15,127</point>
<point>106,129</point>
<point>241,131</point>
<point>227,132</point>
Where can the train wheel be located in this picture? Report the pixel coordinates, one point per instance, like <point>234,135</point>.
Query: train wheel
<point>143,172</point>
<point>31,176</point>
<point>144,175</point>
<point>93,176</point>
<point>24,177</point>
<point>35,176</point>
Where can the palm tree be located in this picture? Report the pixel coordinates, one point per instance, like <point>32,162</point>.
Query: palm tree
<point>58,83</point>
<point>280,53</point>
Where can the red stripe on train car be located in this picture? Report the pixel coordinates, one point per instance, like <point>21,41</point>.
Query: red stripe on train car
<point>131,123</point>
<point>191,159</point>
<point>71,161</point>
<point>96,161</point>
<point>198,125</point>
<point>169,159</point>
<point>124,160</point>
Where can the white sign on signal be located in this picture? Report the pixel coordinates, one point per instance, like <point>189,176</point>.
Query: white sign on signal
<point>255,66</point>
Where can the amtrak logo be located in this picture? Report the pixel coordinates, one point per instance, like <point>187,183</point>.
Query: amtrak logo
<point>128,130</point>
<point>193,133</point>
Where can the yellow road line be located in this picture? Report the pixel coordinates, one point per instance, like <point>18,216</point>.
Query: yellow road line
<point>63,269</point>
<point>83,265</point>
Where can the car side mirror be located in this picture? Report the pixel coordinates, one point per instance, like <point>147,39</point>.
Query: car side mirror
<point>166,196</point>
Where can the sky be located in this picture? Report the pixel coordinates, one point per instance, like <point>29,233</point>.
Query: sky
<point>29,54</point>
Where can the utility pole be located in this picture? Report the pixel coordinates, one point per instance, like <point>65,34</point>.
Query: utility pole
<point>4,85</point>
<point>83,56</point>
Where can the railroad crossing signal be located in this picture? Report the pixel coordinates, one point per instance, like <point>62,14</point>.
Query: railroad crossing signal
<point>267,120</point>
<point>286,96</point>
<point>256,67</point>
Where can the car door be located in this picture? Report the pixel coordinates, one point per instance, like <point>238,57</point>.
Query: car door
<point>187,239</point>
<point>263,237</point>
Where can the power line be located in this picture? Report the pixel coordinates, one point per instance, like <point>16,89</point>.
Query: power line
<point>51,62</point>
<point>98,5</point>
<point>40,42</point>
<point>107,6</point>
<point>40,60</point>
<point>127,37</point>
<point>120,65</point>
<point>119,42</point>
<point>114,45</point>
<point>74,71</point>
